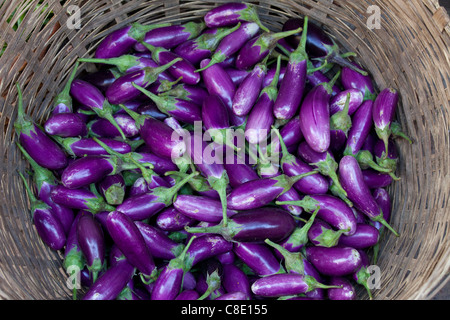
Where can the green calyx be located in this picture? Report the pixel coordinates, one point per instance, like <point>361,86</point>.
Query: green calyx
<point>299,54</point>
<point>115,194</point>
<point>272,89</point>
<point>396,131</point>
<point>179,262</point>
<point>341,120</point>
<point>251,15</point>
<point>213,280</point>
<point>23,124</point>
<point>166,195</point>
<point>329,167</point>
<point>307,203</point>
<point>35,203</point>
<point>210,41</point>
<point>194,28</point>
<point>300,235</point>
<point>268,40</point>
<point>139,119</point>
<point>329,85</point>
<point>329,237</point>
<point>286,182</point>
<point>64,96</point>
<point>106,112</point>
<point>362,278</point>
<point>365,160</point>
<point>152,74</point>
<point>165,104</point>
<point>138,31</point>
<point>198,183</point>
<point>220,185</point>
<point>123,63</point>
<point>293,261</point>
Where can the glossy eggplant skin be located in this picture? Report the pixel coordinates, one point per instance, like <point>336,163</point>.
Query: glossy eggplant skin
<point>362,123</point>
<point>334,261</point>
<point>258,257</point>
<point>65,125</point>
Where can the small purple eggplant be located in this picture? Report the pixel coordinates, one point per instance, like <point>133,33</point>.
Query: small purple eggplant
<point>65,125</point>
<point>188,295</point>
<point>258,257</point>
<point>253,226</point>
<point>218,82</point>
<point>362,124</point>
<point>235,280</point>
<point>278,285</point>
<point>203,46</point>
<point>122,90</point>
<point>334,261</point>
<point>351,79</point>
<point>144,206</point>
<point>258,193</point>
<point>291,135</point>
<point>332,210</point>
<point>170,279</point>
<point>337,103</point>
<point>204,247</point>
<point>130,241</point>
<point>80,147</point>
<point>169,37</point>
<point>122,40</point>
<point>112,187</point>
<point>375,179</point>
<point>366,236</point>
<point>271,74</point>
<point>388,161</point>
<point>232,43</point>
<point>182,68</point>
<point>180,109</point>
<point>350,175</point>
<point>102,128</point>
<point>315,116</point>
<point>90,96</point>
<point>157,136</point>
<point>48,226</point>
<point>63,101</point>
<point>232,13</point>
<point>293,166</point>
<point>92,243</point>
<point>293,85</point>
<point>346,292</point>
<point>201,208</point>
<point>44,181</point>
<point>261,118</point>
<point>141,185</point>
<point>383,199</point>
<point>249,90</point>
<point>259,47</point>
<point>170,219</point>
<point>362,275</point>
<point>46,152</point>
<point>73,256</point>
<point>81,199</point>
<point>158,242</point>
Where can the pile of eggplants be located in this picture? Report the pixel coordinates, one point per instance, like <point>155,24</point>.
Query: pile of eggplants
<point>139,215</point>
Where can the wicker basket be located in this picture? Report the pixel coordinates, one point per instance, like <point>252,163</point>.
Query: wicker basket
<point>40,43</point>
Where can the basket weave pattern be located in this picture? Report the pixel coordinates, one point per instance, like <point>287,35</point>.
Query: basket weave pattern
<point>409,52</point>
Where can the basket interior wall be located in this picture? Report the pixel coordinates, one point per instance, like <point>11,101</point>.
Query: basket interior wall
<point>409,52</point>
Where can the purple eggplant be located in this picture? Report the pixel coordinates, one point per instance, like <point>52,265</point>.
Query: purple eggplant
<point>36,142</point>
<point>351,177</point>
<point>122,90</point>
<point>218,82</point>
<point>319,44</point>
<point>249,90</point>
<point>180,109</point>
<point>48,226</point>
<point>90,96</point>
<point>346,292</point>
<point>232,43</point>
<point>80,147</point>
<point>383,112</point>
<point>202,47</point>
<point>235,280</point>
<point>73,256</point>
<point>170,279</point>
<point>65,125</point>
<point>109,285</point>
<point>323,235</point>
<point>182,68</point>
<point>239,172</point>
<point>188,295</point>
<point>325,164</point>
<point>158,242</point>
<point>362,124</point>
<point>81,199</point>
<point>315,116</point>
<point>63,101</point>
<point>334,261</point>
<point>122,40</point>
<point>258,193</point>
<point>261,116</point>
<point>383,199</point>
<point>258,257</point>
<point>131,242</point>
<point>236,75</point>
<point>293,85</point>
<point>259,47</point>
<point>102,128</point>
<point>141,185</point>
<point>293,166</point>
<point>253,226</point>
<point>232,13</point>
<point>337,103</point>
<point>169,37</point>
<point>290,133</point>
<point>112,187</point>
<point>332,210</point>
<point>158,136</point>
<point>92,243</point>
<point>351,79</point>
<point>144,206</point>
<point>375,179</point>
<point>160,165</point>
<point>233,296</point>
<point>365,236</point>
<point>204,247</point>
<point>44,181</point>
<point>278,285</point>
<point>201,208</point>
<point>362,275</point>
<point>102,78</point>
